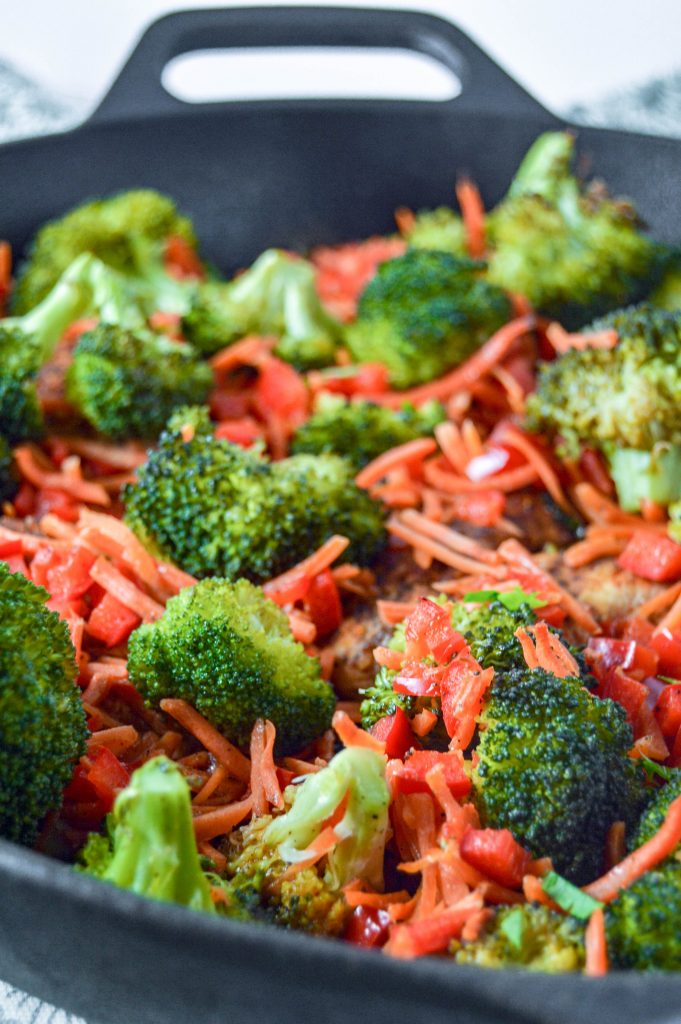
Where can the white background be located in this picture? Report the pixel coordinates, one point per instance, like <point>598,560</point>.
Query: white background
<point>563,52</point>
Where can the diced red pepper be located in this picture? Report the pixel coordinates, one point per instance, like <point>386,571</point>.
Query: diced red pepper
<point>668,648</point>
<point>243,431</point>
<point>411,777</point>
<point>395,731</point>
<point>462,687</point>
<point>628,692</point>
<point>636,629</point>
<point>428,631</point>
<point>368,927</point>
<point>50,499</point>
<point>279,389</point>
<point>70,577</point>
<point>107,775</point>
<point>24,500</point>
<point>44,559</point>
<point>428,934</point>
<point>605,654</point>
<point>17,564</point>
<point>497,854</point>
<point>228,405</point>
<point>10,547</point>
<point>416,679</point>
<point>180,258</point>
<point>668,710</point>
<point>652,556</point>
<point>323,603</point>
<point>111,622</point>
<point>551,614</point>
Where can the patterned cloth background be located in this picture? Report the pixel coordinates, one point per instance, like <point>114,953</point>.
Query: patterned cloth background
<point>26,110</point>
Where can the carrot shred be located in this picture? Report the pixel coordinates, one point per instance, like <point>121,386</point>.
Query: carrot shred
<point>401,455</point>
<point>125,591</point>
<point>207,849</point>
<point>418,540</point>
<point>380,900</point>
<point>351,735</point>
<point>595,946</point>
<point>586,551</point>
<point>473,215</point>
<point>225,752</point>
<point>424,722</point>
<point>117,739</point>
<point>517,555</point>
<point>529,650</point>
<point>515,438</point>
<point>451,443</point>
<point>222,820</point>
<point>533,891</point>
<point>250,351</point>
<point>647,856</point>
<point>132,551</point>
<point>451,538</point>
<point>472,440</point>
<point>552,655</point>
<point>81,490</point>
<point>310,567</point>
<point>119,456</point>
<point>302,627</point>
<point>658,603</point>
<point>615,845</point>
<point>392,612</point>
<point>511,480</point>
<point>269,769</point>
<point>257,783</point>
<point>216,778</point>
<point>562,341</point>
<point>672,620</point>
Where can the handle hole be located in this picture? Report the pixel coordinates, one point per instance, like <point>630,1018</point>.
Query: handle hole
<point>214,76</point>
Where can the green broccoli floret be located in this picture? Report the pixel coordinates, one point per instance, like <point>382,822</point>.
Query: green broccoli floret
<point>42,722</point>
<point>623,401</point>
<point>107,228</point>
<point>380,699</point>
<point>151,849</point>
<point>216,509</point>
<point>8,481</point>
<point>655,813</point>
<point>573,252</point>
<point>127,383</point>
<point>667,294</point>
<point>361,430</point>
<point>228,650</point>
<point>642,924</point>
<point>424,313</point>
<point>554,769</point>
<point>277,295</point>
<point>529,936</point>
<point>440,230</point>
<point>489,630</point>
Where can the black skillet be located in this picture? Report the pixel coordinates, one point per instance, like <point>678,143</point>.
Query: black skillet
<point>291,173</point>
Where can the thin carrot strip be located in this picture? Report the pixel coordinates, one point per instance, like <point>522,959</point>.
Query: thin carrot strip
<point>514,438</point>
<point>258,795</point>
<point>562,341</point>
<point>424,722</point>
<point>672,620</point>
<point>311,566</point>
<point>395,496</point>
<point>512,480</point>
<point>471,438</point>
<point>302,628</point>
<point>392,612</point>
<point>514,392</point>
<point>449,438</point>
<point>401,455</point>
<point>118,739</point>
<point>318,848</point>
<point>469,373</point>
<point>115,669</point>
<point>433,505</point>
<point>529,650</point>
<point>417,539</point>
<point>615,844</point>
<point>225,752</point>
<point>351,735</point>
<point>175,578</point>
<point>664,842</point>
<point>493,892</point>
<point>658,603</point>
<point>81,490</point>
<point>294,764</point>
<point>133,553</point>
<point>432,934</point>
<point>380,900</point>
<point>591,549</point>
<point>206,849</point>
<point>119,456</point>
<point>125,591</point>
<point>599,509</point>
<point>595,946</point>
<point>451,538</point>
<point>515,554</point>
<point>473,215</point>
<point>553,655</point>
<point>214,781</point>
<point>533,891</point>
<point>269,769</point>
<point>221,821</point>
<point>249,351</point>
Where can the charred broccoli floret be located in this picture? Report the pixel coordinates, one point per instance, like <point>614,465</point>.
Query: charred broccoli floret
<point>127,383</point>
<point>623,401</point>
<point>529,936</point>
<point>277,295</point>
<point>227,650</point>
<point>424,313</point>
<point>42,722</point>
<point>216,509</point>
<point>109,229</point>
<point>150,848</point>
<point>574,252</point>
<point>360,431</point>
<point>554,769</point>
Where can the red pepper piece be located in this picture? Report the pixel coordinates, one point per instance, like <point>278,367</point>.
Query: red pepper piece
<point>428,631</point>
<point>462,687</point>
<point>652,557</point>
<point>10,547</point>
<point>411,777</point>
<point>395,731</point>
<point>323,603</point>
<point>70,578</point>
<point>628,692</point>
<point>668,648</point>
<point>281,390</point>
<point>497,854</point>
<point>368,927</point>
<point>107,775</point>
<point>418,680</point>
<point>605,654</point>
<point>111,622</point>
<point>668,710</point>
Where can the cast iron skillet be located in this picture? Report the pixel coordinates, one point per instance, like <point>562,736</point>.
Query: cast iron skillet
<point>290,173</point>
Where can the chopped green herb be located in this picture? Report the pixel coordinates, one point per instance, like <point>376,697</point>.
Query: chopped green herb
<point>569,897</point>
<point>511,599</point>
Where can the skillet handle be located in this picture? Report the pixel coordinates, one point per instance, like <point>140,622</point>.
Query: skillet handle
<point>138,93</point>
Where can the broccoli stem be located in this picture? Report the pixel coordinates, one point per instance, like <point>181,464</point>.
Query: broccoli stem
<point>545,171</point>
<point>652,476</point>
<point>68,300</point>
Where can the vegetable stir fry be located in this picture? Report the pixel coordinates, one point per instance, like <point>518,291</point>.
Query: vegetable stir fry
<point>344,595</point>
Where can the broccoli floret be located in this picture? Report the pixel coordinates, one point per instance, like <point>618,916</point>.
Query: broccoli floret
<point>575,253</point>
<point>8,481</point>
<point>127,384</point>
<point>107,228</point>
<point>489,630</point>
<point>42,722</point>
<point>151,849</point>
<point>642,923</point>
<point>440,230</point>
<point>424,313</point>
<point>277,295</point>
<point>216,509</point>
<point>380,699</point>
<point>554,769</point>
<point>361,430</point>
<point>623,401</point>
<point>529,936</point>
<point>227,650</point>
<point>306,902</point>
<point>654,814</point>
<point>667,294</point>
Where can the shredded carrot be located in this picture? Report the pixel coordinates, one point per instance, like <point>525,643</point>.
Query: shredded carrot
<point>598,508</point>
<point>476,922</point>
<point>453,448</point>
<point>258,795</point>
<point>658,603</point>
<point>269,769</point>
<point>533,891</point>
<point>469,373</point>
<point>589,550</point>
<point>529,650</point>
<point>595,946</point>
<point>82,490</point>
<point>515,438</point>
<point>175,579</point>
<point>471,438</point>
<point>132,551</point>
<point>401,455</point>
<point>351,735</point>
<point>672,620</point>
<point>310,567</point>
<point>511,480</point>
<point>493,892</point>
<point>433,933</point>
<point>473,215</point>
<point>515,554</point>
<point>647,856</point>
<point>392,612</point>
<point>294,764</point>
<point>118,739</point>
<point>225,752</point>
<point>514,391</point>
<point>125,591</point>
<point>119,456</point>
<point>419,540</point>
<point>250,351</point>
<point>615,845</point>
<point>207,849</point>
<point>318,848</point>
<point>302,627</point>
<point>451,538</point>
<point>221,821</point>
<point>424,722</point>
<point>216,778</point>
<point>562,341</point>
<point>381,900</point>
<point>552,655</point>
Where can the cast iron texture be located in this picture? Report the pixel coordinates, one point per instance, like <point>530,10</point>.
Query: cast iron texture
<point>290,173</point>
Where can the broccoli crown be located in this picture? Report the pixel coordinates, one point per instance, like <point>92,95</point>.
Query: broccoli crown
<point>216,509</point>
<point>440,229</point>
<point>380,699</point>
<point>227,650</point>
<point>127,384</point>
<point>277,295</point>
<point>529,936</point>
<point>356,775</point>
<point>151,849</point>
<point>423,313</point>
<point>306,902</point>
<point>42,722</point>
<point>106,228</point>
<point>362,430</point>
<point>20,415</point>
<point>642,923</point>
<point>573,252</point>
<point>489,630</point>
<point>653,816</point>
<point>554,769</point>
<point>8,480</point>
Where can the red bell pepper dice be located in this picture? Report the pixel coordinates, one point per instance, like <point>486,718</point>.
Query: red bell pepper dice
<point>411,777</point>
<point>395,731</point>
<point>462,688</point>
<point>668,648</point>
<point>628,692</point>
<point>497,854</point>
<point>668,710</point>
<point>368,927</point>
<point>652,556</point>
<point>428,631</point>
<point>418,680</point>
<point>324,603</point>
<point>605,654</point>
<point>111,622</point>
